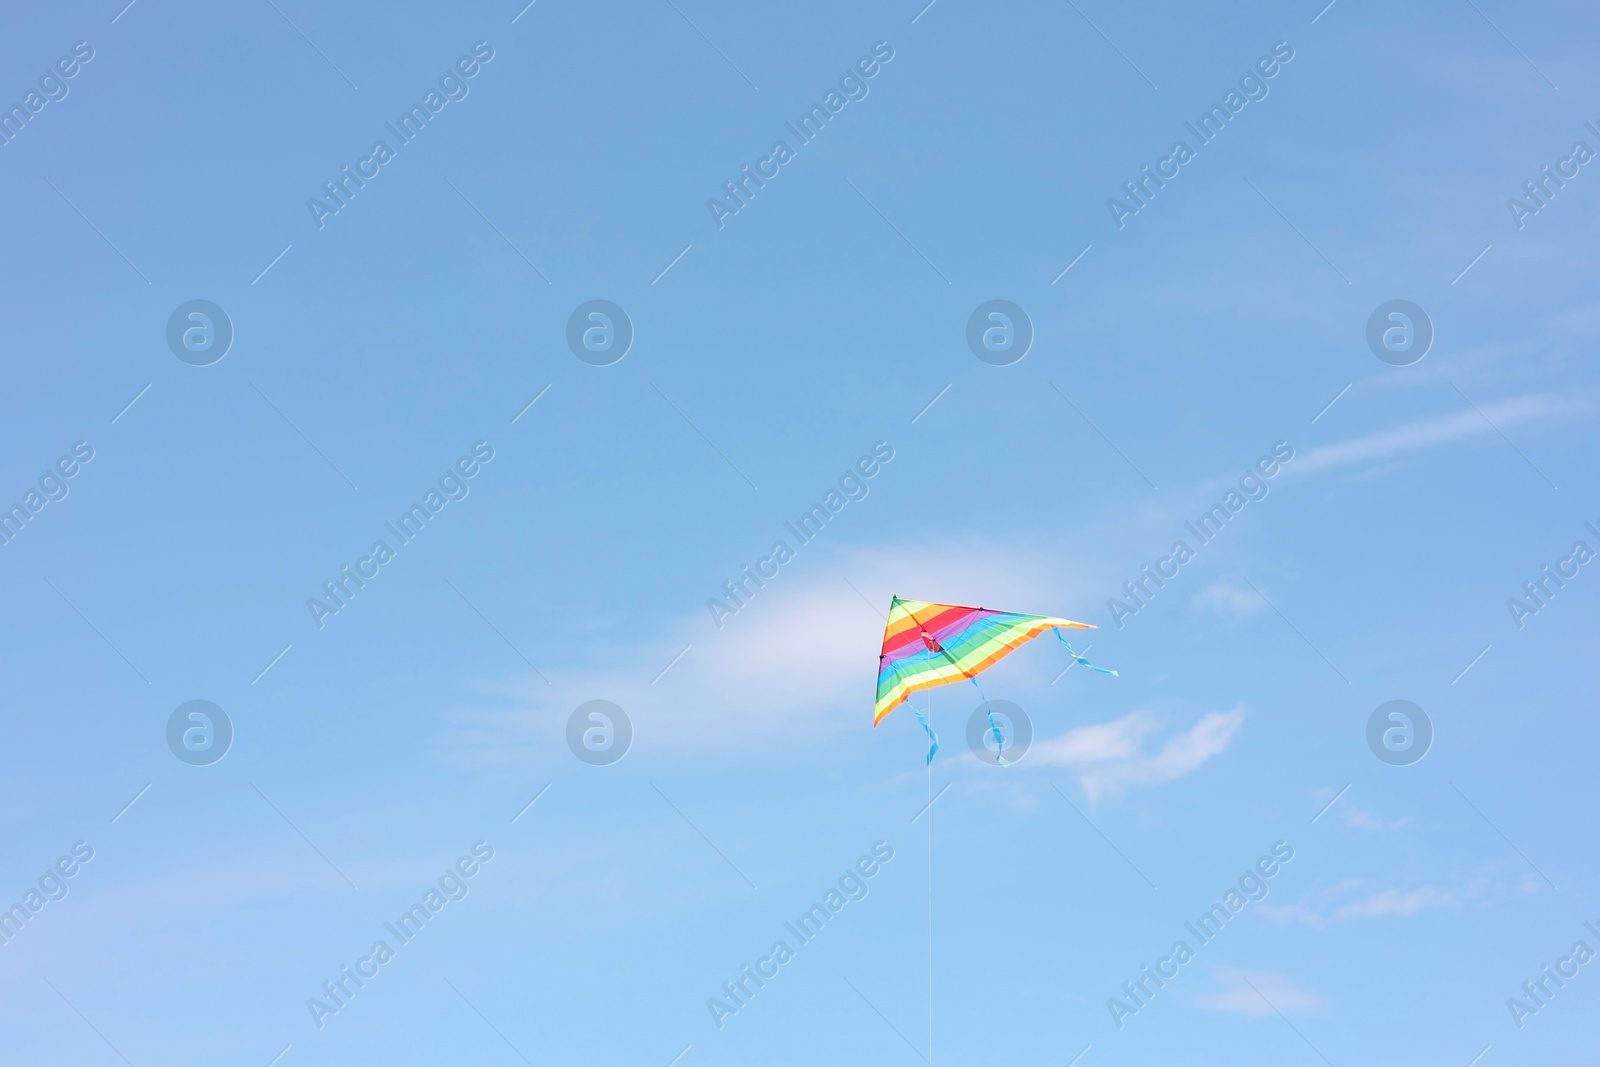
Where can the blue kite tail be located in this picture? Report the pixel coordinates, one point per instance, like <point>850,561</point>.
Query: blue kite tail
<point>999,740</point>
<point>933,740</point>
<point>1080,659</point>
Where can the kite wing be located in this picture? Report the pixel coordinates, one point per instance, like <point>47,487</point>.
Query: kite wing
<point>927,644</point>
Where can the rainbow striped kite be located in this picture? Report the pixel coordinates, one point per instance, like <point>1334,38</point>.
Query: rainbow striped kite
<point>926,645</point>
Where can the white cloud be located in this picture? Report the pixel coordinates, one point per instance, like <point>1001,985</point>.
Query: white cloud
<point>1355,817</point>
<point>1366,820</point>
<point>1225,598</point>
<point>1247,992</point>
<point>1110,758</point>
<point>1395,902</point>
<point>1326,907</point>
<point>1284,914</point>
<point>1434,431</point>
<point>796,665</point>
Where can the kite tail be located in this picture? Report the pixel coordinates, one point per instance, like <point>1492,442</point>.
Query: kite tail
<point>1080,659</point>
<point>933,740</point>
<point>999,741</point>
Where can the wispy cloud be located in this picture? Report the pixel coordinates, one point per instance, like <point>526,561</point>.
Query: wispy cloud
<point>1395,902</point>
<point>1359,818</point>
<point>1340,903</point>
<point>817,625</point>
<point>1247,992</point>
<point>1435,431</point>
<point>1111,757</point>
<point>797,665</point>
<point>1225,598</point>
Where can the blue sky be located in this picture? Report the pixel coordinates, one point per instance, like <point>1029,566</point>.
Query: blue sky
<point>1224,319</point>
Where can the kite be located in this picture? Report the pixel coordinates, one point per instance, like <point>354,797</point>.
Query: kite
<point>925,645</point>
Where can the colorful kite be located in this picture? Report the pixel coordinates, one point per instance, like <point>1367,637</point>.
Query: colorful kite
<point>926,645</point>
